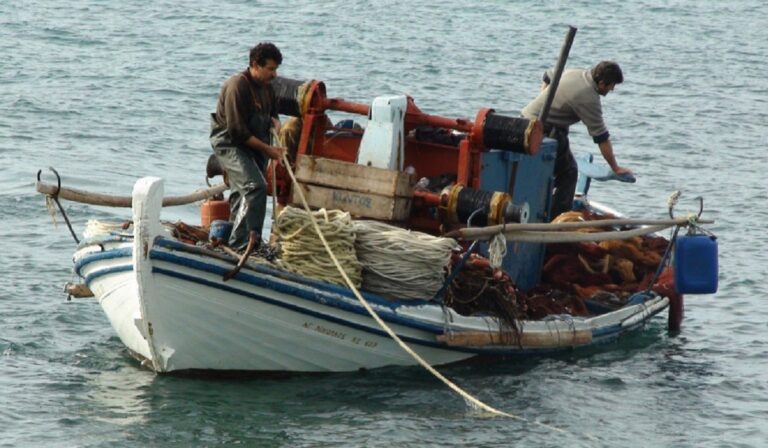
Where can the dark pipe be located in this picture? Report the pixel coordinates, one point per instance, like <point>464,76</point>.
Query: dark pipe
<point>558,72</point>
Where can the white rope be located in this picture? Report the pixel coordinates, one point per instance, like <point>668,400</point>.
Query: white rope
<point>94,228</point>
<point>673,198</point>
<point>472,401</point>
<point>300,251</point>
<point>50,205</point>
<point>399,263</point>
<point>497,249</point>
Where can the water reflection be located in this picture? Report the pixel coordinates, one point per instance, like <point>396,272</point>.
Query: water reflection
<point>121,396</point>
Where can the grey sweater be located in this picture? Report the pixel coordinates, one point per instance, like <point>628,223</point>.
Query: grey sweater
<point>576,100</point>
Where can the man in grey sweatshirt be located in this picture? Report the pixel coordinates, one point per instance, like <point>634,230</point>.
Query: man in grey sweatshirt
<point>577,99</point>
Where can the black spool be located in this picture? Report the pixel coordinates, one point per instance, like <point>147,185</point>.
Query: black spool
<point>506,133</point>
<point>287,93</point>
<point>516,213</point>
<point>470,200</point>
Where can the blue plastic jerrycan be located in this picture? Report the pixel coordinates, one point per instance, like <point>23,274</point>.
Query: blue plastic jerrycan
<point>695,264</point>
<point>220,230</point>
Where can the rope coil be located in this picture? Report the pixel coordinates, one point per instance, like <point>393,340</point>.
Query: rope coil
<point>303,253</point>
<point>399,263</point>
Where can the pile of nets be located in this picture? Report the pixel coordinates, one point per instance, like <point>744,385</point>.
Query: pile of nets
<point>399,263</point>
<point>479,289</point>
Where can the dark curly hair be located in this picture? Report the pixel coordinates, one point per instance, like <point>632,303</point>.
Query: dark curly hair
<point>607,71</point>
<point>264,51</point>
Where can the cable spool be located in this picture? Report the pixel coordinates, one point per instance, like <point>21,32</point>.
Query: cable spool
<point>459,203</point>
<point>291,95</point>
<point>515,134</point>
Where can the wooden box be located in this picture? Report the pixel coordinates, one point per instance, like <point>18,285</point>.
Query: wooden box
<point>361,190</point>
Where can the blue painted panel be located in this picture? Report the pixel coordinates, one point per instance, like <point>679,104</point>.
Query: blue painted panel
<point>527,179</point>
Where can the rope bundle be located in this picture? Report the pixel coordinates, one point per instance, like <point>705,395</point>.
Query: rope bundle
<point>94,228</point>
<point>401,264</point>
<point>303,252</point>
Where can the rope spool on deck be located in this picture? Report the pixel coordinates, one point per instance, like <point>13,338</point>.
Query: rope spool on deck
<point>515,134</point>
<point>458,203</point>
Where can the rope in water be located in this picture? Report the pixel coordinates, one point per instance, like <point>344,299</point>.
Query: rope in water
<point>471,400</point>
<point>400,263</point>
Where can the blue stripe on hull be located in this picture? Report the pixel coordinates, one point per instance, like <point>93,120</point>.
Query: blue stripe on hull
<point>324,296</point>
<point>99,256</point>
<point>319,295</point>
<point>327,287</point>
<point>302,310</point>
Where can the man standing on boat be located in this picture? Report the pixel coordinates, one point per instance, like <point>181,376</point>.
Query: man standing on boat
<point>240,136</point>
<point>577,99</point>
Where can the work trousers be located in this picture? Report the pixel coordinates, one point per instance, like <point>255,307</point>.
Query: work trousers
<point>247,189</point>
<point>566,173</point>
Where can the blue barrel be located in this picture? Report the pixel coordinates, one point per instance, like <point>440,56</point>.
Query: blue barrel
<point>220,230</point>
<point>696,264</point>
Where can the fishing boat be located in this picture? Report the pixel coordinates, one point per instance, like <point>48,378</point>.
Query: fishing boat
<point>467,200</point>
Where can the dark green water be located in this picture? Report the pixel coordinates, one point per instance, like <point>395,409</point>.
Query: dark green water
<point>107,92</point>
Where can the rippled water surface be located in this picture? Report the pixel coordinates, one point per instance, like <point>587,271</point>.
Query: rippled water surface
<point>107,92</point>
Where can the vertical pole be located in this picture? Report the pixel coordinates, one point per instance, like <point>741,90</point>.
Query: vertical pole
<point>558,72</point>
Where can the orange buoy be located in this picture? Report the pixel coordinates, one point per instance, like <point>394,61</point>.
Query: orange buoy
<point>211,210</point>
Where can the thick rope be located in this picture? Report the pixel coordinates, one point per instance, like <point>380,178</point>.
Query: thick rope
<point>95,228</point>
<point>400,263</point>
<point>301,252</point>
<point>474,402</point>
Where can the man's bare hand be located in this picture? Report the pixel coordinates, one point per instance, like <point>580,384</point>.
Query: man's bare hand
<point>275,152</point>
<point>621,170</point>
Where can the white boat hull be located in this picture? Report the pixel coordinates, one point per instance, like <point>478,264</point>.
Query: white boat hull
<point>170,307</point>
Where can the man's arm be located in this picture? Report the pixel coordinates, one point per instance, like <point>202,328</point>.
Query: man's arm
<point>273,152</point>
<point>606,149</point>
<point>237,107</point>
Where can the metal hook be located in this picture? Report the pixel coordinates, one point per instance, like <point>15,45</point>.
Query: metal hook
<point>701,206</point>
<point>55,197</point>
<point>58,180</point>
